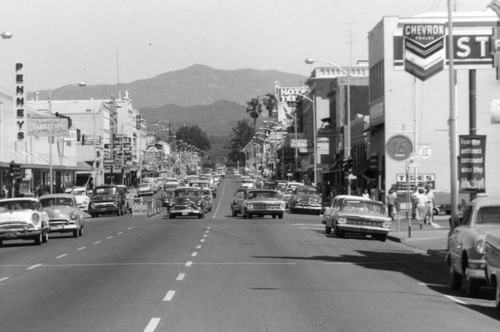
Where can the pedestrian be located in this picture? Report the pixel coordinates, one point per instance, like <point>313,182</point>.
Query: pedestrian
<point>5,191</point>
<point>421,208</point>
<point>366,194</point>
<point>429,193</point>
<point>392,202</point>
<point>414,202</point>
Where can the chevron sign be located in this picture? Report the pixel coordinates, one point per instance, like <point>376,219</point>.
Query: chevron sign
<point>423,49</point>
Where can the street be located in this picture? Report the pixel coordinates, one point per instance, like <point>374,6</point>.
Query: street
<point>224,273</point>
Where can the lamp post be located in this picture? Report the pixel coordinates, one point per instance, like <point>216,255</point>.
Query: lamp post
<point>347,143</point>
<point>51,94</point>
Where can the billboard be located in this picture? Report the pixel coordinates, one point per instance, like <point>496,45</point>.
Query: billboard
<point>47,126</point>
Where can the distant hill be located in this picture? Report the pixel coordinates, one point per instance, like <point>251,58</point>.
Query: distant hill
<point>215,119</point>
<point>194,85</point>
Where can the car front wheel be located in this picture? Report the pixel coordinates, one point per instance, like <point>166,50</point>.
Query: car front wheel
<point>455,279</point>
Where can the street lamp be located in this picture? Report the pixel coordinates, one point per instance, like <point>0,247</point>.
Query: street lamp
<point>347,143</point>
<point>51,94</point>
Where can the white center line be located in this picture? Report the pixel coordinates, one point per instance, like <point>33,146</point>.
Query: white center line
<point>180,277</point>
<point>169,296</point>
<point>109,237</point>
<point>61,256</point>
<point>455,299</point>
<point>3,279</point>
<point>97,242</point>
<point>198,247</point>
<point>202,240</point>
<point>119,233</point>
<point>205,235</point>
<point>189,263</point>
<point>153,323</point>
<point>33,267</point>
<point>81,248</point>
<point>209,227</point>
<point>194,254</point>
<point>129,228</point>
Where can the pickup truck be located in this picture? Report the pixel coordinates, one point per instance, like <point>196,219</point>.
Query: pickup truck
<point>107,199</point>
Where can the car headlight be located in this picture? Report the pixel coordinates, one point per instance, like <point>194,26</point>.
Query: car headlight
<point>115,203</point>
<point>35,218</point>
<point>250,206</point>
<point>72,216</point>
<point>342,220</point>
<point>386,224</point>
<point>92,205</point>
<point>480,246</point>
<point>282,206</point>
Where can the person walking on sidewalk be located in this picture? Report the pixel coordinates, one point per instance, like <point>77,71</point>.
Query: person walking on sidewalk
<point>429,216</point>
<point>392,202</point>
<point>421,209</point>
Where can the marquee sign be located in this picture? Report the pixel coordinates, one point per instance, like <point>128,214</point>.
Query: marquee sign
<point>424,50</point>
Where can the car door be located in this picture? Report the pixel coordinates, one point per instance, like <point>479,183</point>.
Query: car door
<point>456,239</point>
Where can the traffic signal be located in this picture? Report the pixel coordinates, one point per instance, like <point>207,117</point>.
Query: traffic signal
<point>15,169</point>
<point>138,122</point>
<point>347,165</point>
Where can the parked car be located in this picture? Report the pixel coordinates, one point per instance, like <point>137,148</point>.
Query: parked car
<point>128,197</point>
<point>261,202</point>
<point>239,196</point>
<point>247,182</point>
<point>82,197</point>
<point>466,243</point>
<point>492,264</point>
<point>306,199</point>
<point>64,214</point>
<point>357,215</point>
<point>107,199</point>
<point>23,219</point>
<point>187,201</point>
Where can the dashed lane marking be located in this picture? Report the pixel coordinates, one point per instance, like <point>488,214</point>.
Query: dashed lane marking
<point>3,279</point>
<point>61,256</point>
<point>180,277</point>
<point>188,264</point>
<point>153,323</point>
<point>194,254</point>
<point>97,242</point>
<point>33,267</point>
<point>169,296</point>
<point>81,248</point>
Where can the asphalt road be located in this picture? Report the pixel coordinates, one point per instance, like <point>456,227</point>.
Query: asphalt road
<point>224,273</point>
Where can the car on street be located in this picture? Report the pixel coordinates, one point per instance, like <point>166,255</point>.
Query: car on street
<point>492,264</point>
<point>23,219</point>
<point>187,201</point>
<point>466,244</point>
<point>357,215</point>
<point>306,199</point>
<point>82,196</point>
<point>239,196</point>
<point>146,189</point>
<point>262,202</point>
<point>107,199</point>
<point>64,214</point>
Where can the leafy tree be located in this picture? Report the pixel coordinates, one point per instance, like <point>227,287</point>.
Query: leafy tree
<point>241,135</point>
<point>195,136</point>
<point>254,107</point>
<point>270,103</point>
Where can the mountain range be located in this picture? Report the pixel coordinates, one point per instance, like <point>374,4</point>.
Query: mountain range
<point>212,99</point>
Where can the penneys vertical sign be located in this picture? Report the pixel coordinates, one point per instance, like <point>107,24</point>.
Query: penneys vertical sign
<point>471,164</point>
<point>19,101</point>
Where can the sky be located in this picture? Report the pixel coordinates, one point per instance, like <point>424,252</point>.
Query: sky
<point>64,42</point>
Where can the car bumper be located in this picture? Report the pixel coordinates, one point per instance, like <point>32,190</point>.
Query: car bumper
<point>62,227</point>
<point>367,230</point>
<point>20,234</point>
<point>185,212</point>
<point>104,209</point>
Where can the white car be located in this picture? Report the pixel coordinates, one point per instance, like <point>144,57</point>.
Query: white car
<point>82,197</point>
<point>23,219</point>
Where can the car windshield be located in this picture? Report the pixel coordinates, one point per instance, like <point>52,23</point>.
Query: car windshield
<point>17,205</point>
<point>104,190</point>
<point>77,192</point>
<point>262,194</point>
<point>364,207</point>
<point>56,201</point>
<point>187,192</point>
<point>488,215</point>
<point>307,191</point>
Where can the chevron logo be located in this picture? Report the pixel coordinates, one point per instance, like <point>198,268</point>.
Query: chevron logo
<point>423,49</point>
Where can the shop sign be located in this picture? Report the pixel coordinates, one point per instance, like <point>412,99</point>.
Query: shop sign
<point>399,147</point>
<point>471,176</point>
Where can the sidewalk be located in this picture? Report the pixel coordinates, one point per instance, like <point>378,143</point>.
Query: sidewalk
<point>431,238</point>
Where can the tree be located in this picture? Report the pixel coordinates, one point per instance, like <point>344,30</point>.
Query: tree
<point>193,135</point>
<point>241,135</point>
<point>270,103</point>
<point>254,107</point>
